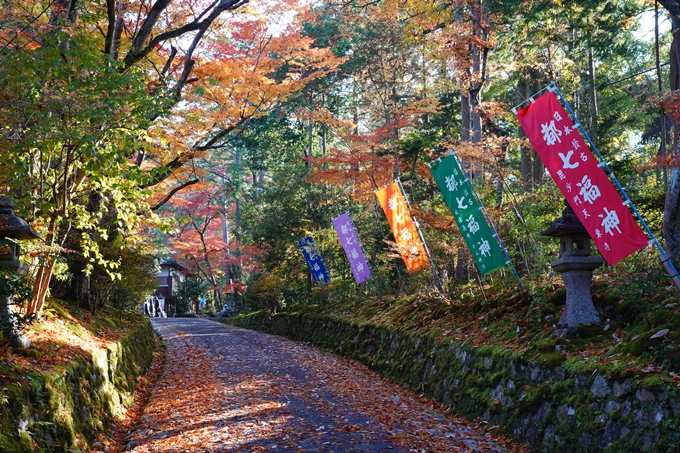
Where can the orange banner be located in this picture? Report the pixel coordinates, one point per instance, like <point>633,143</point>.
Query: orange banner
<point>404,231</point>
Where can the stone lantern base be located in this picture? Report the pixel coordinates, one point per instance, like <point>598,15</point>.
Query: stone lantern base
<point>577,273</point>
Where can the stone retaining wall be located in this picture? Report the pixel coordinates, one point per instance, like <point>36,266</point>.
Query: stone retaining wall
<point>553,409</point>
<point>56,412</point>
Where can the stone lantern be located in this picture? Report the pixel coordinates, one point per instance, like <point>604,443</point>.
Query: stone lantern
<point>576,267</point>
<point>12,230</point>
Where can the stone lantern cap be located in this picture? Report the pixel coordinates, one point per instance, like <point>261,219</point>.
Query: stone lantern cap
<point>12,226</point>
<point>574,238</point>
<point>568,224</point>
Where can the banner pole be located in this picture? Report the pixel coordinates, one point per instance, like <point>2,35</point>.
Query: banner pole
<point>422,239</point>
<point>668,265</point>
<point>488,219</point>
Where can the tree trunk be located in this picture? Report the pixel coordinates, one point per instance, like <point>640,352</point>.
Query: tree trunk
<point>309,282</point>
<point>662,114</point>
<point>593,98</point>
<point>461,273</point>
<point>40,286</point>
<point>465,126</point>
<point>671,217</point>
<point>532,167</point>
<point>465,136</point>
<point>391,115</point>
<point>671,213</point>
<point>310,148</point>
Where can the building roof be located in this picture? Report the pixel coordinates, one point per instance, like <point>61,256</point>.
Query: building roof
<point>170,262</point>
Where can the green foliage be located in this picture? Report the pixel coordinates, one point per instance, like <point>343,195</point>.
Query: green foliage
<point>15,286</point>
<point>266,293</point>
<point>186,299</point>
<point>19,290</point>
<point>135,279</point>
<point>70,120</point>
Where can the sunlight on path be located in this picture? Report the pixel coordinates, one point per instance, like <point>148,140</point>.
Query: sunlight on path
<point>229,389</point>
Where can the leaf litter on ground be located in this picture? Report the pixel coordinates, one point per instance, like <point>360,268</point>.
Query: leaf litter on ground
<point>196,406</point>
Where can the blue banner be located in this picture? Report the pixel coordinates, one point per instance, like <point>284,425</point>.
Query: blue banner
<point>314,260</point>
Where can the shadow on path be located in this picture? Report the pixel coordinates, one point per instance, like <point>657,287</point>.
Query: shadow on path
<point>228,389</point>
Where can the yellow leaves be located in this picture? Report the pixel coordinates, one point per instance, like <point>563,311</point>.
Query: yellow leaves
<point>324,116</point>
<point>421,107</point>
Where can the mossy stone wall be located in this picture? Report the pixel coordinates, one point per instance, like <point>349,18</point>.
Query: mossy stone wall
<point>57,412</point>
<point>552,408</point>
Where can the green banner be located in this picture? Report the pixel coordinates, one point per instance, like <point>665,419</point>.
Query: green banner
<point>467,212</point>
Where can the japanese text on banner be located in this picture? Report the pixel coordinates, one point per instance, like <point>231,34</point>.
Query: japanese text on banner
<point>350,243</point>
<point>405,234</point>
<point>314,260</point>
<point>584,184</point>
<point>468,214</point>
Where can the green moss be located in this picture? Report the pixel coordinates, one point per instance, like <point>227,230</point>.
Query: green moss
<point>589,331</point>
<point>621,372</point>
<point>666,444</point>
<point>532,400</point>
<point>552,359</point>
<point>546,345</point>
<point>462,378</point>
<point>108,322</point>
<point>626,310</point>
<point>652,381</point>
<point>557,298</point>
<point>510,335</point>
<point>30,353</point>
<point>638,346</point>
<point>52,404</point>
<point>621,446</point>
<point>60,311</point>
<point>76,328</point>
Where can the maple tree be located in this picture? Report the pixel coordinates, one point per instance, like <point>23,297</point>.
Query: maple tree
<point>92,111</point>
<point>158,100</point>
<point>200,241</point>
<point>129,133</point>
<point>199,238</point>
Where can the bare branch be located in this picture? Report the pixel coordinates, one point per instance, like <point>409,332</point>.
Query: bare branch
<point>170,194</point>
<point>111,15</point>
<point>140,48</point>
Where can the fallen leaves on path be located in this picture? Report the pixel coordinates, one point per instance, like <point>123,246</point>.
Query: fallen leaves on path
<point>286,396</point>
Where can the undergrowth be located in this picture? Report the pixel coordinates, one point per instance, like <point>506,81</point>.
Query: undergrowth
<point>632,309</point>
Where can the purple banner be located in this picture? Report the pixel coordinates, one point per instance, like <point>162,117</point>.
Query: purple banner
<point>350,242</point>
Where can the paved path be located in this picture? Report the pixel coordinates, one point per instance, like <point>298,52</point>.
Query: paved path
<point>227,389</point>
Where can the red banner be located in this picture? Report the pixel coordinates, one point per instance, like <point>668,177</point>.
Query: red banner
<point>404,231</point>
<point>584,184</point>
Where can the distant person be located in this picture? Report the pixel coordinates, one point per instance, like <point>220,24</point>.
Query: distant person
<point>146,308</point>
<point>161,307</point>
<point>157,307</point>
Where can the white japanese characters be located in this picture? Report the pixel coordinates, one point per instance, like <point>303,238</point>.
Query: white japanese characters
<point>403,227</point>
<point>472,224</point>
<point>451,183</point>
<point>566,160</point>
<point>467,211</point>
<point>579,176</point>
<point>588,192</point>
<point>352,246</point>
<point>550,134</point>
<point>314,260</point>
